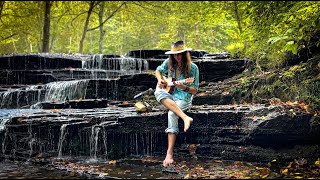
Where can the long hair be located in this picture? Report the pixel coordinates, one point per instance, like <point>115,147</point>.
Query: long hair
<point>185,69</point>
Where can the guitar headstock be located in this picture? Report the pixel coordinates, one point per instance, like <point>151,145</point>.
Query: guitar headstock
<point>189,80</point>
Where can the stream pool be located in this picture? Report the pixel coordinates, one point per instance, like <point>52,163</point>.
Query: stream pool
<point>149,167</point>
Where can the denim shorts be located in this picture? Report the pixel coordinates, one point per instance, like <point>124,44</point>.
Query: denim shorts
<point>172,117</point>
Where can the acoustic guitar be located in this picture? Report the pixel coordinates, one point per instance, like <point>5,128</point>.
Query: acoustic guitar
<point>170,83</point>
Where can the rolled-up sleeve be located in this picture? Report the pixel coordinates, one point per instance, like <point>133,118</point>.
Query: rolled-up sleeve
<point>195,74</point>
<point>163,68</point>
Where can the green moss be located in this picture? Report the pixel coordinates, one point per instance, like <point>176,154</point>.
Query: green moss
<point>297,83</point>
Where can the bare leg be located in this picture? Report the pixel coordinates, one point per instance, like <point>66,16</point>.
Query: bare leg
<point>169,157</point>
<point>171,105</point>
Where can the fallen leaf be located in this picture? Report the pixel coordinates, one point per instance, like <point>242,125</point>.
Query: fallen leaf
<point>55,110</point>
<point>20,120</point>
<point>187,176</point>
<point>112,162</point>
<point>202,94</point>
<point>103,174</point>
<point>317,163</point>
<point>285,171</point>
<point>225,93</point>
<point>254,118</point>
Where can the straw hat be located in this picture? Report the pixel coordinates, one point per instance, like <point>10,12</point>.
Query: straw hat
<point>178,47</point>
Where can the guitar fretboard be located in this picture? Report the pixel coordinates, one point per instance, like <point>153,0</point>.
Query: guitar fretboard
<point>172,83</point>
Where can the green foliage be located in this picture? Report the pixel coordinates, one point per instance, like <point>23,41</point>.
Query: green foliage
<point>260,30</point>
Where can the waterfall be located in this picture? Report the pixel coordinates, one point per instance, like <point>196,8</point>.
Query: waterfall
<point>59,91</point>
<point>105,143</point>
<point>4,142</point>
<point>94,141</point>
<point>3,124</point>
<point>126,65</point>
<point>63,134</point>
<point>132,65</point>
<point>6,97</point>
<point>22,96</point>
<point>61,139</point>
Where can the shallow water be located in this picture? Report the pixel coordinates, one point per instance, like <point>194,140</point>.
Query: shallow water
<point>26,170</point>
<point>149,167</point>
<point>134,168</point>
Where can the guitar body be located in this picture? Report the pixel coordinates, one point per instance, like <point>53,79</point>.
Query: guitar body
<point>169,86</point>
<point>170,89</point>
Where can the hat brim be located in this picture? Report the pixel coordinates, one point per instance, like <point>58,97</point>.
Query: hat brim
<point>177,52</point>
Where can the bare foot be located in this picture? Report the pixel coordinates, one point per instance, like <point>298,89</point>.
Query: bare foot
<point>187,121</point>
<point>168,161</point>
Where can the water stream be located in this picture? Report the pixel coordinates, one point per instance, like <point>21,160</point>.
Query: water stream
<point>89,143</point>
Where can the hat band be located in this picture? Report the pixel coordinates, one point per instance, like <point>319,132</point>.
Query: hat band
<point>174,49</point>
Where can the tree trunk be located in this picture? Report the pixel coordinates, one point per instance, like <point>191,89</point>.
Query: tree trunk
<point>46,27</point>
<point>102,31</point>
<point>1,7</point>
<point>237,15</point>
<point>197,36</point>
<point>86,26</point>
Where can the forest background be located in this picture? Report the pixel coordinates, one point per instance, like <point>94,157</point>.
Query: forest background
<point>271,33</point>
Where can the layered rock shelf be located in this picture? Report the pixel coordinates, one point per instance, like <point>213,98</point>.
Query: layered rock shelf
<point>232,132</point>
<point>56,105</point>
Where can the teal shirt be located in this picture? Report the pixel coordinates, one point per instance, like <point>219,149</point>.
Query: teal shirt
<point>179,93</point>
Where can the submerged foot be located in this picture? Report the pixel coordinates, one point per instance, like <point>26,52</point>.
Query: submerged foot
<point>187,123</point>
<point>168,161</point>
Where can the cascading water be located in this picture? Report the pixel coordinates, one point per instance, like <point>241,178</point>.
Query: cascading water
<point>59,91</point>
<point>3,122</point>
<point>98,77</point>
<point>20,97</point>
<point>62,137</point>
<point>94,141</point>
<point>68,82</point>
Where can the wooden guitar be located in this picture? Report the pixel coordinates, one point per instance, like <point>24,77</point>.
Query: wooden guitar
<point>170,83</point>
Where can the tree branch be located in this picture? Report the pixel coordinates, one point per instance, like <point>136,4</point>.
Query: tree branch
<point>94,4</point>
<point>146,8</point>
<point>8,37</point>
<point>110,16</point>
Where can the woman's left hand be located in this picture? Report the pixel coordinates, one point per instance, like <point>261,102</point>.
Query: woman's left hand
<point>180,85</point>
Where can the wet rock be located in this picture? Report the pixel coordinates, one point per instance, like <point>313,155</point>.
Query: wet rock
<point>248,132</point>
<point>75,104</point>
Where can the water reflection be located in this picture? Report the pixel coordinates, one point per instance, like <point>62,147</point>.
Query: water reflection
<point>26,170</point>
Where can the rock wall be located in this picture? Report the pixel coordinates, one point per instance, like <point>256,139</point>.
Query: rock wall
<point>244,132</point>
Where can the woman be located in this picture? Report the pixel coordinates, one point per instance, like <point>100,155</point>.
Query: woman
<point>179,67</point>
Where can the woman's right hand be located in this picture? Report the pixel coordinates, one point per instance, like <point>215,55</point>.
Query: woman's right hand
<point>161,83</point>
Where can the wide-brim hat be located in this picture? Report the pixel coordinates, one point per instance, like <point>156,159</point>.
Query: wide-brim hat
<point>178,47</point>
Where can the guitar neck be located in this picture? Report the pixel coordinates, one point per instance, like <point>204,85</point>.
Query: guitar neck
<point>172,83</point>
